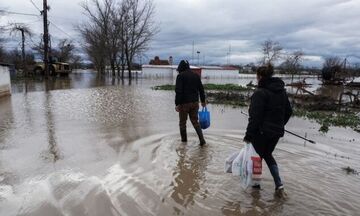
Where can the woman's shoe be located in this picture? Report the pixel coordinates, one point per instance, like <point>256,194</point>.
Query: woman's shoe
<point>280,192</point>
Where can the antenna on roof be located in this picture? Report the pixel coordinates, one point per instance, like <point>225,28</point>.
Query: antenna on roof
<point>229,55</point>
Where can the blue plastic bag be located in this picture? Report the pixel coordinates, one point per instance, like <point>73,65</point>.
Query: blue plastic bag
<point>204,118</point>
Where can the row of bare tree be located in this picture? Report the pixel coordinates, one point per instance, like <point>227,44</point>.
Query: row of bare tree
<point>117,31</point>
<point>272,52</point>
<point>291,62</point>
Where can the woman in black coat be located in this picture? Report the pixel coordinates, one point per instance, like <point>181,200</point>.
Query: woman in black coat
<point>269,111</point>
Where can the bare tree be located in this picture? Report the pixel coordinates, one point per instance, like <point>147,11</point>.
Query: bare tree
<point>292,63</point>
<point>39,48</point>
<point>14,57</point>
<point>2,51</point>
<point>117,31</point>
<point>332,61</point>
<point>75,61</point>
<point>25,31</point>
<point>272,51</point>
<point>139,28</point>
<point>94,46</point>
<point>333,69</point>
<point>64,50</point>
<point>97,30</point>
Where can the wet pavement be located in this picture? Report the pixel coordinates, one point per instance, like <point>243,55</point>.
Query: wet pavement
<point>84,146</point>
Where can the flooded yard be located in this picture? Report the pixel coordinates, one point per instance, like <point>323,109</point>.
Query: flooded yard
<point>84,146</point>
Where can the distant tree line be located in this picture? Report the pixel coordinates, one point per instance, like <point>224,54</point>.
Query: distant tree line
<point>24,61</point>
<point>291,62</point>
<point>116,32</point>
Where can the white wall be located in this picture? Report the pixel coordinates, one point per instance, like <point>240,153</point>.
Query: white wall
<point>219,73</point>
<point>157,72</point>
<point>5,85</point>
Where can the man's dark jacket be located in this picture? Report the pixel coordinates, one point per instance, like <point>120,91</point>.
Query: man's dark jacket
<point>188,87</point>
<point>269,110</point>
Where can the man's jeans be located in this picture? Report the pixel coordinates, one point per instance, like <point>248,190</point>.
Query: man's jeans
<point>191,110</point>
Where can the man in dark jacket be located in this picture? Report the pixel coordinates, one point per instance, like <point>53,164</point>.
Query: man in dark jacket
<point>188,88</point>
<point>269,111</point>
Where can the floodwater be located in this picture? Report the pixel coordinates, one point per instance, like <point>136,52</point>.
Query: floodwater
<point>105,147</point>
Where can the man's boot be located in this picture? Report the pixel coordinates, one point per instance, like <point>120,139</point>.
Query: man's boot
<point>201,136</point>
<point>183,135</point>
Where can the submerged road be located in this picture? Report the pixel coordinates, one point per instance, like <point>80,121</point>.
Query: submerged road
<point>89,147</point>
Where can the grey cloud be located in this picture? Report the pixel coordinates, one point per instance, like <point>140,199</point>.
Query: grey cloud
<point>318,27</point>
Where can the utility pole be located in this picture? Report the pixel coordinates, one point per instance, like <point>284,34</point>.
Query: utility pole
<point>192,57</point>
<point>46,39</point>
<point>198,52</point>
<point>229,54</point>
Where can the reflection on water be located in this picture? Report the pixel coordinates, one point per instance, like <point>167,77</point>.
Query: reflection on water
<point>112,148</point>
<point>54,153</point>
<point>6,121</point>
<point>189,175</point>
<point>74,81</point>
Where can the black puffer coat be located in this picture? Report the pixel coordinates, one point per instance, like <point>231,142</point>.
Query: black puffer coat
<point>269,110</point>
<point>188,88</point>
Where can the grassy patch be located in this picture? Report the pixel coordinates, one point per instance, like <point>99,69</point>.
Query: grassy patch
<point>226,87</point>
<point>328,119</point>
<point>227,98</point>
<point>164,87</point>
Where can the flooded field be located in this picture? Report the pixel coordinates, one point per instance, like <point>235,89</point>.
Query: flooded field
<point>83,146</point>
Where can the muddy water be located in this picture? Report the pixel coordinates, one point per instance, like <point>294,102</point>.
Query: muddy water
<point>90,149</point>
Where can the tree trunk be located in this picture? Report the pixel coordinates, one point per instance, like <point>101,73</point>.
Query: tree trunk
<point>129,63</point>
<point>23,53</point>
<point>118,69</point>
<point>112,65</point>
<point>122,70</point>
<point>122,59</point>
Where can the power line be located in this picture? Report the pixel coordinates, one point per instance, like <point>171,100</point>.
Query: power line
<point>69,36</point>
<point>35,5</point>
<point>38,19</point>
<point>58,28</point>
<point>18,13</point>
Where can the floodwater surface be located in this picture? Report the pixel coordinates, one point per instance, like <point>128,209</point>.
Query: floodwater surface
<point>95,148</point>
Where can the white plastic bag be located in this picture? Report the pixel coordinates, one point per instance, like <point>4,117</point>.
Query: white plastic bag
<point>229,162</point>
<point>251,167</point>
<point>237,163</point>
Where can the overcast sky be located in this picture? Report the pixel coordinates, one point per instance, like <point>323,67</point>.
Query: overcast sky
<point>317,27</point>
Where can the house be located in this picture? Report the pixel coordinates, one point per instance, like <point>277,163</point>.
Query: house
<point>5,83</point>
<point>158,61</point>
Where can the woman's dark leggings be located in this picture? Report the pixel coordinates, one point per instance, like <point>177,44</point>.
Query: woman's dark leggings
<point>264,146</point>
